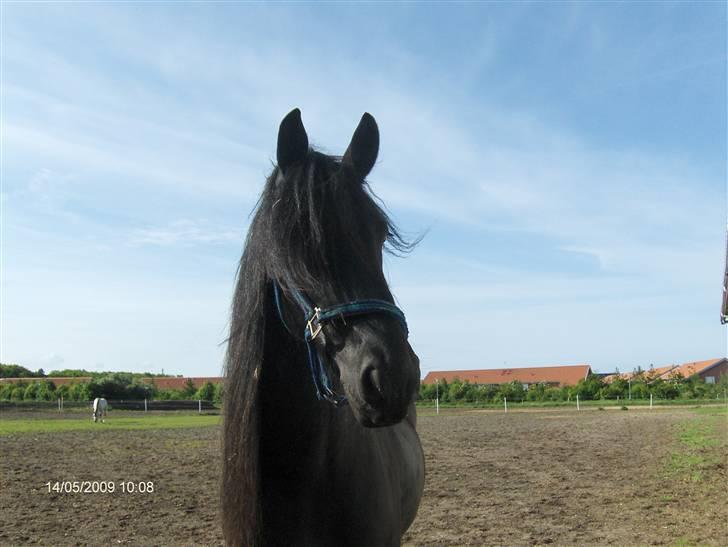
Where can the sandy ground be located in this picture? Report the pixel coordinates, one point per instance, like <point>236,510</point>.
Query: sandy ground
<point>525,478</point>
<point>562,477</point>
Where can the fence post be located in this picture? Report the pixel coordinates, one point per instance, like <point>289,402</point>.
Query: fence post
<point>145,405</point>
<point>59,404</point>
<point>199,405</point>
<point>577,402</point>
<point>505,405</point>
<point>650,401</point>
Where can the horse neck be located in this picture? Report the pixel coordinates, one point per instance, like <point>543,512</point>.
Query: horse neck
<point>287,396</point>
<point>295,434</point>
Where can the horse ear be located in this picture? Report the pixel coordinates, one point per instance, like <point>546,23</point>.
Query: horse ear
<point>364,146</point>
<point>292,140</point>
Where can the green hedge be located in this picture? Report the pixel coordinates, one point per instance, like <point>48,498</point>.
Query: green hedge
<point>111,386</point>
<point>591,388</point>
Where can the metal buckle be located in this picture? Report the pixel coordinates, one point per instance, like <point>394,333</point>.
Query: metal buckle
<point>313,333</point>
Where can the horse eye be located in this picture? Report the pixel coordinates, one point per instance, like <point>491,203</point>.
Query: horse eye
<point>335,334</point>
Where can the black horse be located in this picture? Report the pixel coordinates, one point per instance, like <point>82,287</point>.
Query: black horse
<point>320,446</point>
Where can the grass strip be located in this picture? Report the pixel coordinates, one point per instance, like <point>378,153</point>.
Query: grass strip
<point>701,445</point>
<point>39,425</point>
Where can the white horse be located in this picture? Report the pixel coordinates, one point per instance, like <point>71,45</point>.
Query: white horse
<point>100,406</point>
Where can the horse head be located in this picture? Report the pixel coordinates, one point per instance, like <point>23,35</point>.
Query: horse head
<point>325,236</point>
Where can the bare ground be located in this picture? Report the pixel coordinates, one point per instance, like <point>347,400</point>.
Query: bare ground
<point>558,477</point>
<point>182,464</point>
<point>563,477</point>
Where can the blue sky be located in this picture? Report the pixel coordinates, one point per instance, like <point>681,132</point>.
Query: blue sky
<point>567,159</point>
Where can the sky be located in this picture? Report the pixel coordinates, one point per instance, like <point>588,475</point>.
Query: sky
<point>567,162</point>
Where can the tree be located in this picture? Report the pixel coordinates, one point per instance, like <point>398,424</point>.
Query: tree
<point>589,388</point>
<point>5,391</point>
<point>206,392</point>
<point>665,389</point>
<point>640,390</point>
<point>428,392</point>
<point>79,392</point>
<point>513,391</point>
<point>63,391</point>
<point>483,393</point>
<point>140,390</point>
<point>31,392</point>
<point>219,393</point>
<point>16,371</point>
<point>554,394</point>
<point>171,395</point>
<point>536,392</point>
<point>617,388</point>
<point>457,390</point>
<point>189,389</point>
<point>46,391</point>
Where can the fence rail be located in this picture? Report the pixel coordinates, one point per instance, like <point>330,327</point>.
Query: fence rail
<point>162,405</point>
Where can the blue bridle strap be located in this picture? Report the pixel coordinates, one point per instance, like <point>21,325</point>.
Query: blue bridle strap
<point>316,317</point>
<point>363,307</point>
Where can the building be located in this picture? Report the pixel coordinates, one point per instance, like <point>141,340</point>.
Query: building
<point>710,370</point>
<point>559,375</point>
<point>179,383</point>
<point>649,375</point>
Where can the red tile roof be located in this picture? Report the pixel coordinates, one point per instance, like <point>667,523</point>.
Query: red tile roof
<point>562,375</point>
<point>685,370</point>
<point>169,382</point>
<point>695,367</point>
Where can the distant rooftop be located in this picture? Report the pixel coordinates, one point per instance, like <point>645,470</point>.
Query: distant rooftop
<point>685,370</point>
<point>562,375</point>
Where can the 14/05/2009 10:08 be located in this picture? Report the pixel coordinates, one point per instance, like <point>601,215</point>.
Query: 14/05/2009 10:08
<point>100,487</point>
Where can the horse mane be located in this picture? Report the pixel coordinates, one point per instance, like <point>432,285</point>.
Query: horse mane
<point>300,225</point>
<point>240,509</point>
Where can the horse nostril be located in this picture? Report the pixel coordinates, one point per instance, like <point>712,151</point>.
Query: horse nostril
<point>372,384</point>
<point>377,381</point>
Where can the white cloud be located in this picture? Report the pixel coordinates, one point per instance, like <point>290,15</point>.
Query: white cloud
<point>184,232</point>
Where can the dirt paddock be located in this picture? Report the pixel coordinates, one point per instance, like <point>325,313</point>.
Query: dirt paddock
<point>525,478</point>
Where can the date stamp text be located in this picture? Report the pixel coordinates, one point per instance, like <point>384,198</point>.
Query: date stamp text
<point>100,487</point>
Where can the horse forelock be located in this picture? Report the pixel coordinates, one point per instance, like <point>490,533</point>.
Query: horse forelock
<point>319,216</point>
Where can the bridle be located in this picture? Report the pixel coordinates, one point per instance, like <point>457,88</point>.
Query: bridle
<point>316,317</point>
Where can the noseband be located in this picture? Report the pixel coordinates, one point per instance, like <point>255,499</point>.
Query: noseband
<point>316,317</point>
